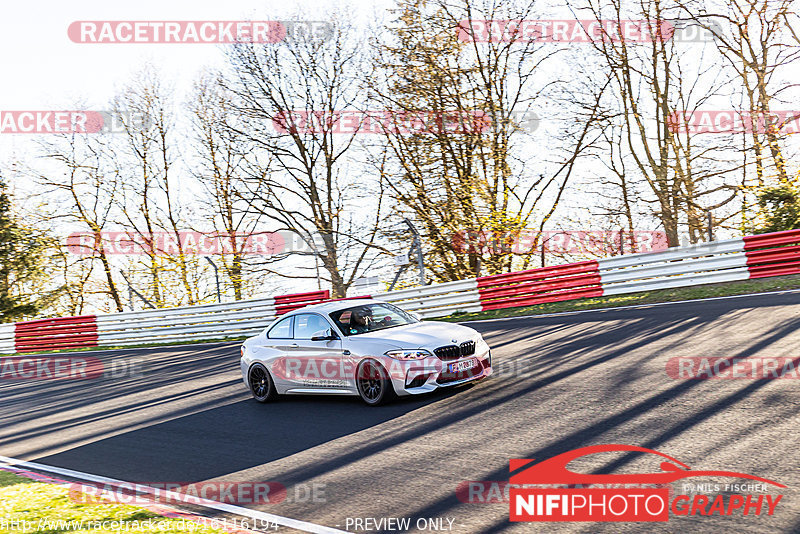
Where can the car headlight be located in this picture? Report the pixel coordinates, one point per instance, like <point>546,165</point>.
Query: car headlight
<point>408,354</point>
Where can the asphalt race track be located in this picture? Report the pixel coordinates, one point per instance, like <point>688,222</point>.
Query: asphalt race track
<point>561,383</point>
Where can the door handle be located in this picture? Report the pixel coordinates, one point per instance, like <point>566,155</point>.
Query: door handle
<point>295,345</point>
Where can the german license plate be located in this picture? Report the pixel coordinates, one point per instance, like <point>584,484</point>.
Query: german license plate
<point>466,365</point>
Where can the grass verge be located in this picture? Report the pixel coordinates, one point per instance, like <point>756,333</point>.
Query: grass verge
<point>29,507</point>
<point>743,287</point>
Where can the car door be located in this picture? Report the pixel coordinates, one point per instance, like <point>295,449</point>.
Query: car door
<point>278,341</point>
<point>319,362</point>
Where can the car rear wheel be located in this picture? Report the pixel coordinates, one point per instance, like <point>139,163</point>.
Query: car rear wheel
<point>373,383</point>
<point>261,385</point>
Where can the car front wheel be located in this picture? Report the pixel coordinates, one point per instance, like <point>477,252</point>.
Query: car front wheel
<point>374,386</point>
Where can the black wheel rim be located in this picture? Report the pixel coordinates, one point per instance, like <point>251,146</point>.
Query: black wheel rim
<point>259,381</point>
<point>370,382</point>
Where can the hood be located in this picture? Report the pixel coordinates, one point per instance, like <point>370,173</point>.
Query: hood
<point>424,334</point>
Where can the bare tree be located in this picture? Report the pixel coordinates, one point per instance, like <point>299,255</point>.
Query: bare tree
<point>82,189</point>
<point>466,179</point>
<point>757,40</point>
<point>300,173</point>
<point>221,169</point>
<point>653,79</point>
<point>151,203</point>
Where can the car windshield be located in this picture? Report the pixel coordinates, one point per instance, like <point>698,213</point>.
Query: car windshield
<point>370,318</point>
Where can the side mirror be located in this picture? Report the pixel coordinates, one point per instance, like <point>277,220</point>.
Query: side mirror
<point>323,335</point>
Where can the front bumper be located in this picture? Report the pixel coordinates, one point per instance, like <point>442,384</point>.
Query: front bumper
<point>432,373</point>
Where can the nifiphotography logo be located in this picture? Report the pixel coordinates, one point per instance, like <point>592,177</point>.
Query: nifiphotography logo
<point>645,497</point>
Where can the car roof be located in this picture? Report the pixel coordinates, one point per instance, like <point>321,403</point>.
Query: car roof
<point>336,305</point>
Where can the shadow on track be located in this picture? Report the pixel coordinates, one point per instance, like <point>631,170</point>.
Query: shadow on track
<point>231,438</point>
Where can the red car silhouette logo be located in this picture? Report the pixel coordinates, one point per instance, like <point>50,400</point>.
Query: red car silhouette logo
<point>554,470</point>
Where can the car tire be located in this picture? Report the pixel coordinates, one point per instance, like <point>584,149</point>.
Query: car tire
<point>261,385</point>
<point>373,383</point>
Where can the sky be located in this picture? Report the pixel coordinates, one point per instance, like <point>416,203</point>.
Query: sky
<point>44,70</point>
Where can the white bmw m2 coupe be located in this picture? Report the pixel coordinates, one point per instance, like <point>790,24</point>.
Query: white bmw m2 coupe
<point>361,347</point>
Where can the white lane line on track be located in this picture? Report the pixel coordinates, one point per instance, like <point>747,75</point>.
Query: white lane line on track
<point>188,499</point>
<point>631,307</point>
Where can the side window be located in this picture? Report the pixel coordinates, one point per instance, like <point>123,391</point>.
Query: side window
<point>342,320</point>
<point>307,324</point>
<point>282,330</point>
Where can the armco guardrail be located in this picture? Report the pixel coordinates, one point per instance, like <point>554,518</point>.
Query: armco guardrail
<point>7,338</point>
<point>210,321</point>
<point>705,263</point>
<point>720,261</point>
<point>437,300</point>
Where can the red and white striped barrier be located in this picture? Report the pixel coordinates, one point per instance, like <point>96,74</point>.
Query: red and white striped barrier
<point>286,303</point>
<point>52,334</point>
<point>757,256</point>
<point>537,286</point>
<point>773,254</point>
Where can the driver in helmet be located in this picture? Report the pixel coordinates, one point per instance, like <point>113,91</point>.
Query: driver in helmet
<point>361,320</point>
